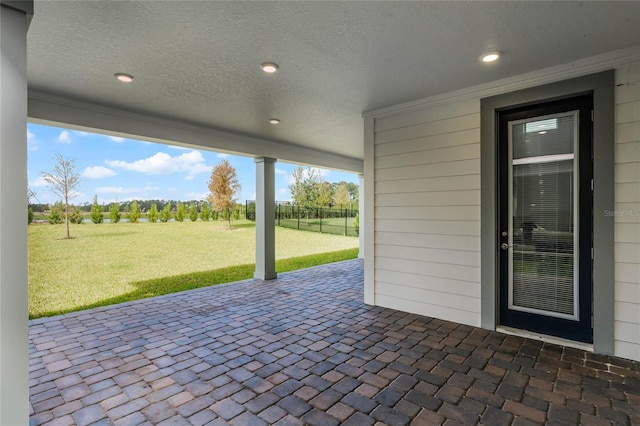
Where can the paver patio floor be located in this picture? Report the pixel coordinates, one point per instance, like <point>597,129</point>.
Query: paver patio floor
<point>305,349</point>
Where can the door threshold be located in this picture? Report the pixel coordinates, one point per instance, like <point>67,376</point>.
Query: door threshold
<point>545,338</point>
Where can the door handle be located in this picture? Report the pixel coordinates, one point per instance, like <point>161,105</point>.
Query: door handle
<point>505,246</point>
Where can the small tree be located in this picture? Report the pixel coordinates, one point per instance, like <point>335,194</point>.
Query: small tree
<point>134,212</point>
<point>193,212</point>
<point>304,189</point>
<point>114,212</point>
<point>341,195</point>
<point>56,215</point>
<point>63,181</point>
<point>325,194</point>
<point>96,211</point>
<point>181,212</point>
<point>224,188</point>
<point>30,214</point>
<point>153,213</point>
<point>165,214</point>
<point>205,212</point>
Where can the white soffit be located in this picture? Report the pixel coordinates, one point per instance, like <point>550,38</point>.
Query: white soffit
<point>199,62</point>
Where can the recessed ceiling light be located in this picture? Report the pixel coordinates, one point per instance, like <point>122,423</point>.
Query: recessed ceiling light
<point>125,78</point>
<point>269,67</point>
<point>490,57</point>
<point>274,120</point>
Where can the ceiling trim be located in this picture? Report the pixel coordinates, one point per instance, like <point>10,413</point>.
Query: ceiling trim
<point>45,108</point>
<point>578,68</point>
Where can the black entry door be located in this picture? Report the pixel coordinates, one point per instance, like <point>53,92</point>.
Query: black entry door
<point>545,218</point>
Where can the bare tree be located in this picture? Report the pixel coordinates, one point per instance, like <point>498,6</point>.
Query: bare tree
<point>63,181</point>
<point>224,188</point>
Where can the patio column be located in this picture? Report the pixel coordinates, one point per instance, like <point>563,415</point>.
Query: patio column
<point>265,219</point>
<point>14,353</point>
<point>361,215</point>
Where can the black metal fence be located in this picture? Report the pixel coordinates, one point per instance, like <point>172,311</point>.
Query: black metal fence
<point>340,220</point>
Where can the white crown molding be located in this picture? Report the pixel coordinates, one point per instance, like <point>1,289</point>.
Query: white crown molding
<point>578,68</point>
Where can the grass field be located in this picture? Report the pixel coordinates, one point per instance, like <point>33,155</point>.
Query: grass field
<point>112,263</point>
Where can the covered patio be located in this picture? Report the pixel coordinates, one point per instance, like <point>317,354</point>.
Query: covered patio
<point>305,349</point>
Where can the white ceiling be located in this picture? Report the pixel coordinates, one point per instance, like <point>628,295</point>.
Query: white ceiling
<point>198,62</point>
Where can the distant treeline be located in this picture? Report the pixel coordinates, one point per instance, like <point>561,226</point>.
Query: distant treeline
<point>143,205</point>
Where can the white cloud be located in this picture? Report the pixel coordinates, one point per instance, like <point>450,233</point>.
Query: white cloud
<point>116,139</point>
<point>32,142</point>
<point>222,155</point>
<point>180,148</point>
<point>283,194</point>
<point>123,190</point>
<point>64,137</point>
<point>280,172</point>
<point>38,182</point>
<point>196,195</point>
<point>253,196</point>
<point>162,163</point>
<point>98,172</point>
<point>80,133</point>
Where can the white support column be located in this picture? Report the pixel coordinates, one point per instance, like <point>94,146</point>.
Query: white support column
<point>14,353</point>
<point>361,214</point>
<point>265,219</point>
<point>367,212</point>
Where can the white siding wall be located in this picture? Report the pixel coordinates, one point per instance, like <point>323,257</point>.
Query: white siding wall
<point>627,220</point>
<point>427,212</point>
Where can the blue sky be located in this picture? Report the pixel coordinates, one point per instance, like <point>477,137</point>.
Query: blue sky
<point>118,169</point>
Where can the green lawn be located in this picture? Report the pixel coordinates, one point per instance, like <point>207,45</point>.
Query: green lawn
<point>112,263</point>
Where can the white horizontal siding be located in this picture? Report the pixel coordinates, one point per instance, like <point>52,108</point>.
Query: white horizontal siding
<point>438,198</point>
<point>445,242</point>
<point>426,185</point>
<point>628,152</point>
<point>439,284</point>
<point>439,227</point>
<point>438,255</point>
<point>450,125</point>
<point>427,212</point>
<point>455,109</point>
<point>627,213</point>
<point>420,307</point>
<point>463,137</point>
<point>429,156</point>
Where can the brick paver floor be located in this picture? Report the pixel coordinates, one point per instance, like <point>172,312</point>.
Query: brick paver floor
<point>304,349</point>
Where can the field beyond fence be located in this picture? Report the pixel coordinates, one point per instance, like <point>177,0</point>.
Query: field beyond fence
<point>338,220</point>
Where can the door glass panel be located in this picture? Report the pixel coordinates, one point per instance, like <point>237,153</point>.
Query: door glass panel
<point>543,272</point>
<point>549,136</point>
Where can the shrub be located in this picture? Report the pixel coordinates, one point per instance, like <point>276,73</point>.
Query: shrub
<point>96,211</point>
<point>76,215</point>
<point>114,212</point>
<point>56,215</point>
<point>165,214</point>
<point>193,212</point>
<point>134,212</point>
<point>181,212</point>
<point>153,213</point>
<point>205,212</point>
<point>29,215</point>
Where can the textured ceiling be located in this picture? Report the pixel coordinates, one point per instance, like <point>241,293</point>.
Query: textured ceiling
<point>198,62</point>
